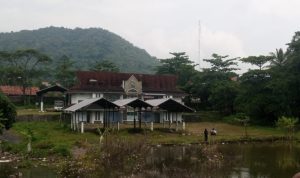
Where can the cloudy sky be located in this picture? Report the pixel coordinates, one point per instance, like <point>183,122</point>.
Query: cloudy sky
<point>229,27</point>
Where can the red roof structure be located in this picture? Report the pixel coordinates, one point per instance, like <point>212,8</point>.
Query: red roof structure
<point>18,90</point>
<point>112,82</point>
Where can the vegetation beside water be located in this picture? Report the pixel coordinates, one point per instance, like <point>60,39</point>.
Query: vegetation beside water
<point>54,138</point>
<point>72,153</point>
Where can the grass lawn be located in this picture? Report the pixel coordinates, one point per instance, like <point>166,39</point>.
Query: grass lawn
<point>21,112</point>
<point>49,138</point>
<point>55,138</point>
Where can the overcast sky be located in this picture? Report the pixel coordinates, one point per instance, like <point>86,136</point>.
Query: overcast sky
<point>228,27</point>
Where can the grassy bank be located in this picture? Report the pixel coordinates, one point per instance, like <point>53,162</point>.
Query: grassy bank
<point>25,111</point>
<point>54,138</point>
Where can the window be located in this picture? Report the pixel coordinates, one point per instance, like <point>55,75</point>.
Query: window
<point>132,84</point>
<point>98,116</point>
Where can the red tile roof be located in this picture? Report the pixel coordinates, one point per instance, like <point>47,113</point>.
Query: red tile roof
<point>17,90</point>
<point>112,82</point>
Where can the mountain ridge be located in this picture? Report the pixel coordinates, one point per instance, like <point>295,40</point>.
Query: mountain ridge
<point>84,45</point>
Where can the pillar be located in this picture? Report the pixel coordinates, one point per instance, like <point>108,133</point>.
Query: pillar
<point>151,126</point>
<point>42,104</point>
<point>176,122</point>
<point>183,126</point>
<point>169,117</point>
<point>118,125</point>
<point>82,127</point>
<point>134,124</point>
<point>71,121</point>
<point>140,117</point>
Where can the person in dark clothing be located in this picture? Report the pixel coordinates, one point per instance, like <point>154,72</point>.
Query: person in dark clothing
<point>205,135</point>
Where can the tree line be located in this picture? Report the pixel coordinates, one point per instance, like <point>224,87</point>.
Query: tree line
<point>26,68</point>
<point>263,94</point>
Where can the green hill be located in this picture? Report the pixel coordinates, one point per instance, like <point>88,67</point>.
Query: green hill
<point>84,46</point>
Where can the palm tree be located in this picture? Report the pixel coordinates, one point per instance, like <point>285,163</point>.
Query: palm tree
<point>279,58</point>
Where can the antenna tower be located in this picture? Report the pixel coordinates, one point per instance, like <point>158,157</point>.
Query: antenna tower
<point>199,44</point>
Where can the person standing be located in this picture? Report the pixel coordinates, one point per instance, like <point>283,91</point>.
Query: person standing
<point>205,135</point>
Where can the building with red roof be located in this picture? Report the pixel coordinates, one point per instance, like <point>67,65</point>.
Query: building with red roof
<point>129,92</point>
<point>15,93</point>
<point>114,86</point>
<point>18,90</point>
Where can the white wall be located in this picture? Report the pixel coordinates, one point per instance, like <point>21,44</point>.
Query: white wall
<point>79,117</point>
<point>80,96</point>
<point>172,116</point>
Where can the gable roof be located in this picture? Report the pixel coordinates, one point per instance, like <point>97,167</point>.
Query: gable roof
<point>103,103</point>
<point>52,88</point>
<point>132,102</point>
<point>18,90</point>
<point>112,82</point>
<point>170,105</point>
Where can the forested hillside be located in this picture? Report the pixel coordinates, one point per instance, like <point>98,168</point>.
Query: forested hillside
<point>84,46</point>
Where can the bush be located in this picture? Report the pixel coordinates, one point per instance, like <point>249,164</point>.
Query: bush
<point>287,124</point>
<point>61,150</point>
<point>44,145</point>
<point>7,112</point>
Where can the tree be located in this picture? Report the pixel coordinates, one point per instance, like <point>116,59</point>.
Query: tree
<point>278,58</point>
<point>65,71</point>
<point>258,61</point>
<point>244,120</point>
<point>179,65</point>
<point>221,64</point>
<point>23,65</point>
<point>287,124</point>
<point>7,113</point>
<point>222,96</point>
<point>214,86</point>
<point>105,66</point>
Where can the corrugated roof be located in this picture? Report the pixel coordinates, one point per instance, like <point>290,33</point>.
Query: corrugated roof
<point>82,104</point>
<point>133,102</point>
<point>156,102</point>
<point>170,105</point>
<point>112,81</point>
<point>18,90</point>
<point>124,102</point>
<point>87,102</point>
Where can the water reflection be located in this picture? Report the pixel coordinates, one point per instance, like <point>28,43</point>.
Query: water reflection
<point>38,172</point>
<point>217,161</point>
<point>232,161</point>
<point>6,169</point>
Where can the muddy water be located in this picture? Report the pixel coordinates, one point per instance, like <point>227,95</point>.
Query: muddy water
<point>222,161</point>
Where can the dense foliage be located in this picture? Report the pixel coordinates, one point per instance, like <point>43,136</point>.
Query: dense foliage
<point>264,94</point>
<point>21,67</point>
<point>7,113</point>
<point>84,46</point>
<point>105,66</point>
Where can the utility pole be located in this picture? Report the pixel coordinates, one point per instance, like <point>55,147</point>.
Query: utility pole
<point>199,44</point>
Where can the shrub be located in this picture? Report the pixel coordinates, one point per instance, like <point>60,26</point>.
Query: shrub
<point>287,124</point>
<point>62,150</point>
<point>44,145</point>
<point>7,112</point>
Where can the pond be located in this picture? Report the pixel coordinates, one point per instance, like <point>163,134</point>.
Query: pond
<point>255,160</point>
<point>7,169</point>
<point>227,161</point>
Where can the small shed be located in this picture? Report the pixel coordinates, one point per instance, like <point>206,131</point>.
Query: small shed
<point>170,110</point>
<point>41,93</point>
<point>91,111</point>
<point>137,104</point>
